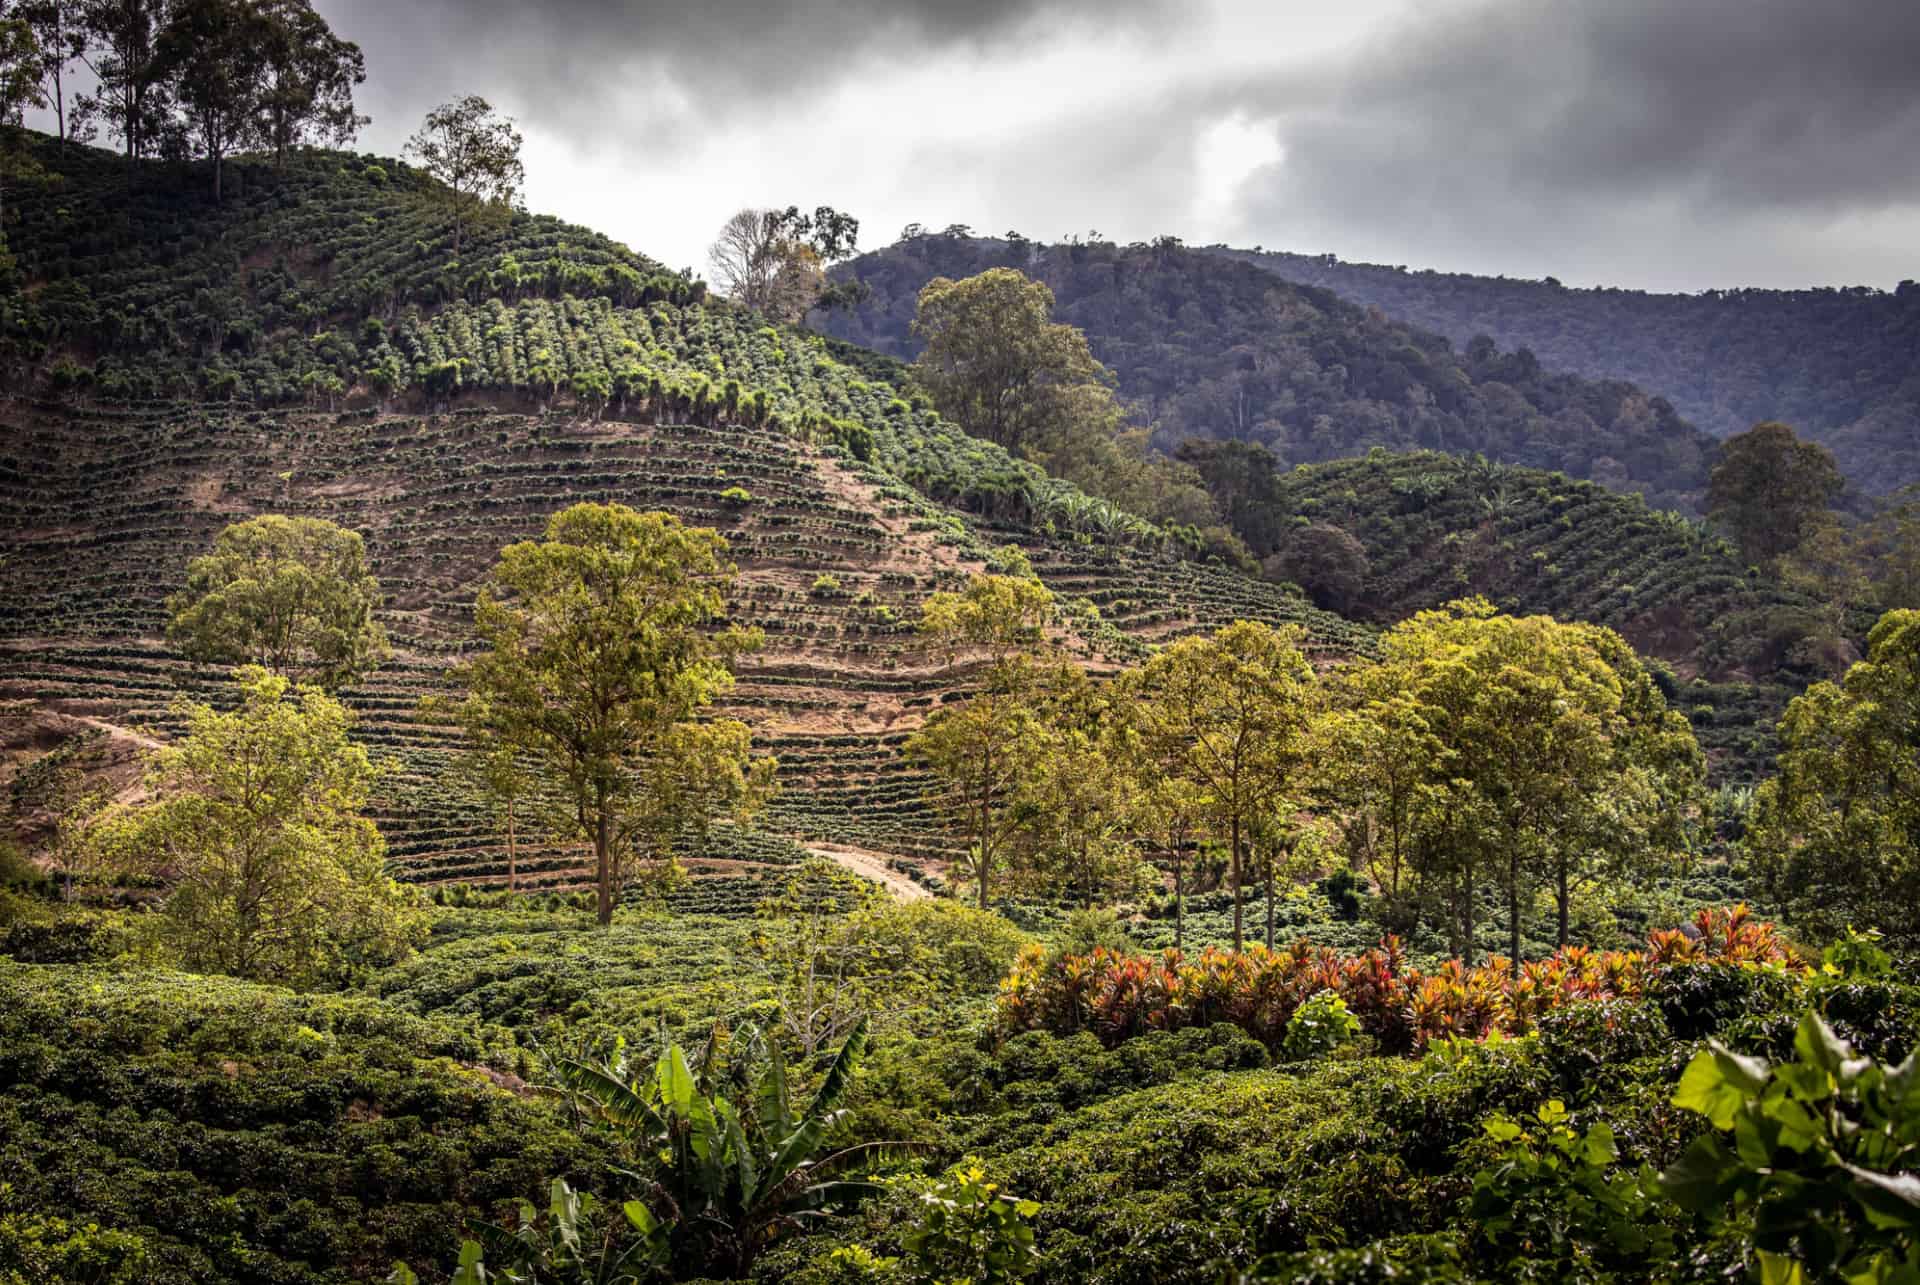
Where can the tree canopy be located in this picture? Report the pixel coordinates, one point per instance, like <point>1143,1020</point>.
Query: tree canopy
<point>290,594</point>
<point>996,362</point>
<point>474,153</point>
<point>1837,831</point>
<point>1769,488</point>
<point>258,824</point>
<point>599,663</point>
<point>775,261</point>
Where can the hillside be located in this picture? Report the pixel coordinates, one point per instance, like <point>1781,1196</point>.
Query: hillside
<point>1209,347</point>
<point>1436,527</point>
<point>499,414</point>
<point>1841,365</point>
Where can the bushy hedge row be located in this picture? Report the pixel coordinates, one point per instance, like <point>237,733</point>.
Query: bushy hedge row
<point>1118,995</point>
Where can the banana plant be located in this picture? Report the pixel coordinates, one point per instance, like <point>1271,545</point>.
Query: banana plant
<point>568,1247</point>
<point>729,1175</point>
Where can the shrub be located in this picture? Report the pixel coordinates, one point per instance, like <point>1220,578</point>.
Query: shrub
<point>736,496</point>
<point>1554,1204</point>
<point>1118,995</point>
<point>1318,1027</point>
<point>1402,1260</point>
<point>971,1230</point>
<point>1811,1160</point>
<point>825,585</point>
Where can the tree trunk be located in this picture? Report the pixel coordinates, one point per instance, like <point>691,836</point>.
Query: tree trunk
<point>1513,901</point>
<point>1270,873</point>
<point>986,820</point>
<point>1561,897</point>
<point>602,843</point>
<point>1179,905</point>
<point>1239,937</point>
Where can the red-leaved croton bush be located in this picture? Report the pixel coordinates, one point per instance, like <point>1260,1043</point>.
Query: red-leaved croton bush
<point>1117,995</point>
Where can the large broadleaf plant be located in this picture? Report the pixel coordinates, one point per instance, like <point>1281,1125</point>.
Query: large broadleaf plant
<point>725,1161</point>
<point>1816,1157</point>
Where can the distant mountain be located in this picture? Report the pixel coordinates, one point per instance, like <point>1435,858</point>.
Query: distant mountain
<point>1210,346</point>
<point>1840,365</point>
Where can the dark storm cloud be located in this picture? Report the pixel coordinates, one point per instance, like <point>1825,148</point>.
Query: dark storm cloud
<point>1516,120</point>
<point>568,62</point>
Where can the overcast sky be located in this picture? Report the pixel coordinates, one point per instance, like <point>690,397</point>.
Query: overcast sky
<point>1662,144</point>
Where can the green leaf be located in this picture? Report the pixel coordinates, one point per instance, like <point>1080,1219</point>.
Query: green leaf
<point>1501,1129</point>
<point>675,1081</point>
<point>1694,1180</point>
<point>1891,1200</point>
<point>1600,1145</point>
<point>1817,1045</point>
<point>1706,1086</point>
<point>1776,1269</point>
<point>471,1271</point>
<point>641,1217</point>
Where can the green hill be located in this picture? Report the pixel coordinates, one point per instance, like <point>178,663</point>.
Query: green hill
<point>1210,347</point>
<point>503,406</point>
<point>1841,365</point>
<point>1436,527</point>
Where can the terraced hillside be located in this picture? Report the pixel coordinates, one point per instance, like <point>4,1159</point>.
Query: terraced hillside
<point>1213,348</point>
<point>103,508</point>
<point>1436,527</point>
<point>312,346</point>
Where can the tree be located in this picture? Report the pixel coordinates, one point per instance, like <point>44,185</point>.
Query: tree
<point>213,53</point>
<point>1230,711</point>
<point>696,773</point>
<point>1326,561</point>
<point>21,63</point>
<point>309,76</point>
<point>980,750</point>
<point>774,261</point>
<point>290,594</point>
<point>475,155</point>
<point>1375,770</point>
<point>259,824</point>
<point>997,364</point>
<point>122,52</point>
<point>492,768</point>
<point>1836,833</point>
<point>1558,760</point>
<point>597,653</point>
<point>62,39</point>
<point>1769,488</point>
<point>1077,805</point>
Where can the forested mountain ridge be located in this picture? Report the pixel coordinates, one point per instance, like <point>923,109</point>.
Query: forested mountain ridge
<point>1205,346</point>
<point>1842,365</point>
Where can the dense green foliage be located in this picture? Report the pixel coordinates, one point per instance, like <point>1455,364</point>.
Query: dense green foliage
<point>289,594</point>
<point>1836,363</point>
<point>1836,833</point>
<point>1212,348</point>
<point>243,1133</point>
<point>988,1098</point>
<point>1433,527</point>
